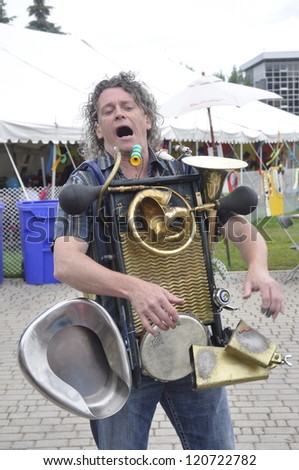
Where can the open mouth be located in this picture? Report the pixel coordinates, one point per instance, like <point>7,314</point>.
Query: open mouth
<point>124,131</point>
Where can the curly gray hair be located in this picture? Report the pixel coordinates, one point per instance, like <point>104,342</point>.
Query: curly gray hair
<point>91,145</point>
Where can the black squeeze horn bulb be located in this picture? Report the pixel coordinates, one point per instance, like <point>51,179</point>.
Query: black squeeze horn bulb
<point>243,200</point>
<point>136,156</point>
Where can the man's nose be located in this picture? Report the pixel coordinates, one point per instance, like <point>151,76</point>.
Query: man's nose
<point>119,114</point>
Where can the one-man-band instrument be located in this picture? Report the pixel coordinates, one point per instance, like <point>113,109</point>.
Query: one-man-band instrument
<point>160,229</point>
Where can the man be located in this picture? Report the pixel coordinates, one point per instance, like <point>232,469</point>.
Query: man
<point>122,113</point>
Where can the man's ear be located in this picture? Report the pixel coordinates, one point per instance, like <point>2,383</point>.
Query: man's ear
<point>97,129</point>
<point>148,123</point>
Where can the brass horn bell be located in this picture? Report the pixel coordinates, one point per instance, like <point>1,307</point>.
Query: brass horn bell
<point>160,221</point>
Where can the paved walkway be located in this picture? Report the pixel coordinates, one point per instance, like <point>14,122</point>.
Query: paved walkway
<point>265,413</point>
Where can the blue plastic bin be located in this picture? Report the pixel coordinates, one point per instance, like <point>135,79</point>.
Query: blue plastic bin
<point>37,220</point>
<point>1,241</point>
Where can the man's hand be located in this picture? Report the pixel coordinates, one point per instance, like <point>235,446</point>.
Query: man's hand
<point>254,252</point>
<point>270,291</point>
<point>155,306</point>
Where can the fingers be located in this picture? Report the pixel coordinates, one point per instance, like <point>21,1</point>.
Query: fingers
<point>266,311</point>
<point>162,320</point>
<point>274,309</point>
<point>157,309</point>
<point>272,303</point>
<point>272,300</point>
<point>173,299</point>
<point>250,287</point>
<point>160,317</point>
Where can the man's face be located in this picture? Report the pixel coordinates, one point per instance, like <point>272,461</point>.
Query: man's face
<point>121,123</point>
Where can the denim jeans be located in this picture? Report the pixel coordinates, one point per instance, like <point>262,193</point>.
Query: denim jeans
<point>201,418</point>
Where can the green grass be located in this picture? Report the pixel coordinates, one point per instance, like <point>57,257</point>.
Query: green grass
<point>12,262</point>
<point>280,255</point>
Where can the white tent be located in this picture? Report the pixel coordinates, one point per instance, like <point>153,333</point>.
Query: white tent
<point>45,79</point>
<point>253,122</point>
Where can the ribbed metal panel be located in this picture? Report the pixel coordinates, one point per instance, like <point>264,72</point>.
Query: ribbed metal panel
<point>184,274</point>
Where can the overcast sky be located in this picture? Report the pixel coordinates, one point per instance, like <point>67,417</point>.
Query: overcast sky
<point>207,35</point>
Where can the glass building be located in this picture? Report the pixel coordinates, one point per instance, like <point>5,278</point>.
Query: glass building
<point>277,72</point>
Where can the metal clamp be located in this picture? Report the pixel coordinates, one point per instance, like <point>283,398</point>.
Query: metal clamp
<point>280,359</point>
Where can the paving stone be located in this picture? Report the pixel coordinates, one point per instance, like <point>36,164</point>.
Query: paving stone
<point>265,413</point>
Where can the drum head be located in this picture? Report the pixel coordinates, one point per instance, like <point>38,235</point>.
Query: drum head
<point>214,163</point>
<point>166,357</point>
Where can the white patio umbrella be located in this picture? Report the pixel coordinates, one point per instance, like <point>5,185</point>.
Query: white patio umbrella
<point>210,91</point>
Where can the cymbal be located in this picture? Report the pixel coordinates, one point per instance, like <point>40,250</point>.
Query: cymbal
<point>214,163</point>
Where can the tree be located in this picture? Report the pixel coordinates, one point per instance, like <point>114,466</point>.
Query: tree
<point>3,17</point>
<point>220,75</point>
<point>41,13</point>
<point>237,76</point>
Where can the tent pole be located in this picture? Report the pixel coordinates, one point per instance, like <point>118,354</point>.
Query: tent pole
<point>70,156</point>
<point>16,171</point>
<point>241,170</point>
<point>261,157</point>
<point>211,128</point>
<point>42,161</point>
<point>54,150</point>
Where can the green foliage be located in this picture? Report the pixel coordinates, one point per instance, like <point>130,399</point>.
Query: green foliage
<point>41,12</point>
<point>236,76</point>
<point>3,17</point>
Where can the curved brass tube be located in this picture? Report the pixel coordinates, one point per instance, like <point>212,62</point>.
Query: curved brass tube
<point>154,195</point>
<point>117,155</point>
